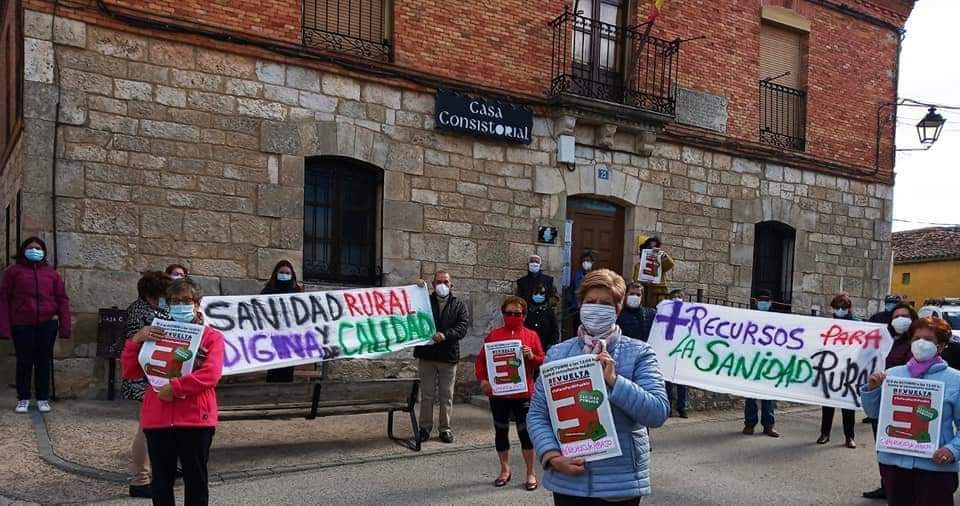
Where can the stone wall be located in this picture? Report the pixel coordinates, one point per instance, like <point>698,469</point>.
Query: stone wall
<point>172,152</point>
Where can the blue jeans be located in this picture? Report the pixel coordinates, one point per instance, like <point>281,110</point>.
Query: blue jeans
<point>681,404</point>
<point>766,413</point>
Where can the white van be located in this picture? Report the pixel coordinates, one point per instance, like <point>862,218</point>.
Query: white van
<point>946,309</point>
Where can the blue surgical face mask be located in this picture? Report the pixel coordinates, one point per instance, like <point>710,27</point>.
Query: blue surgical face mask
<point>539,298</point>
<point>763,305</point>
<point>162,304</point>
<point>34,254</point>
<point>283,276</point>
<point>182,312</point>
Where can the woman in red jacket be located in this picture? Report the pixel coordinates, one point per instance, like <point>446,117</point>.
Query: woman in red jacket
<point>179,419</point>
<point>32,295</point>
<point>514,310</point>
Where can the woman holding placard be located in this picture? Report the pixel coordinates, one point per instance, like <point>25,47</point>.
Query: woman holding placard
<point>504,369</point>
<point>911,474</point>
<point>180,417</point>
<point>631,388</point>
<point>651,270</point>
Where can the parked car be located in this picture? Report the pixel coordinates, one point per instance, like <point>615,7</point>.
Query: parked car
<point>947,309</point>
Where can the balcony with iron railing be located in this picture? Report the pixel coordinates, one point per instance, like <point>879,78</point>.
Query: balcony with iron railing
<point>622,65</point>
<point>783,116</point>
<point>355,27</point>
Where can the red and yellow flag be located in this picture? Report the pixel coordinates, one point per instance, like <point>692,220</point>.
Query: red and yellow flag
<point>655,10</point>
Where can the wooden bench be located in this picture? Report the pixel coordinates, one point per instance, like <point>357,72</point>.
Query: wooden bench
<point>258,401</point>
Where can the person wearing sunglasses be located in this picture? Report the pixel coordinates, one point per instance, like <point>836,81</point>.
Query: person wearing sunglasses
<point>514,309</point>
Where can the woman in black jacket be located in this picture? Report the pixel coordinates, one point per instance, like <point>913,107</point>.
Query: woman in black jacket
<point>283,280</point>
<point>842,310</point>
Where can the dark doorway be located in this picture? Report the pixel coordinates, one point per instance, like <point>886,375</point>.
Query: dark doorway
<point>773,263</point>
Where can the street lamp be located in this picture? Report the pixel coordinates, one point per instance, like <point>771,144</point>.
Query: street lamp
<point>930,126</point>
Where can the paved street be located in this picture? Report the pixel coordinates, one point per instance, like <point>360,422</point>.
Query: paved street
<point>698,461</point>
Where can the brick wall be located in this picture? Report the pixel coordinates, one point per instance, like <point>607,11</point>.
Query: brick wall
<point>508,47</point>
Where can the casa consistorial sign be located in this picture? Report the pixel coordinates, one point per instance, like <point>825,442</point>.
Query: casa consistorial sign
<point>479,117</point>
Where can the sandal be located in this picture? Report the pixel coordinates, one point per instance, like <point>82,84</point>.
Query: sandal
<point>531,485</point>
<point>501,482</point>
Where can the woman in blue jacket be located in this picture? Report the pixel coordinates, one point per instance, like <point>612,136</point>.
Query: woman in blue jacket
<point>637,397</point>
<point>919,480</point>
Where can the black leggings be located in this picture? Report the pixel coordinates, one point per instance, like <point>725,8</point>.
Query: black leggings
<point>502,409</point>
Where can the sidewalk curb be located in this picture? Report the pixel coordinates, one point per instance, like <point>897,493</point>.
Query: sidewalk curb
<point>49,455</point>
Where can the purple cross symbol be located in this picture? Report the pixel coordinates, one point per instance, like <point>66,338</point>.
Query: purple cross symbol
<point>674,320</point>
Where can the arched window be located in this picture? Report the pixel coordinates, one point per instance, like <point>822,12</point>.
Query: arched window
<point>341,221</point>
<point>773,263</point>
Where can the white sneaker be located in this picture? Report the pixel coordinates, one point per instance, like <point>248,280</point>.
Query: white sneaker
<point>22,406</point>
<point>43,406</point>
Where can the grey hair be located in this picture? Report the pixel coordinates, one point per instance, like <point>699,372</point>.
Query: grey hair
<point>185,285</point>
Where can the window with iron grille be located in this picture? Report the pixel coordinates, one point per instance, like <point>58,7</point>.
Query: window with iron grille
<point>11,71</point>
<point>356,27</point>
<point>782,88</point>
<point>341,221</point>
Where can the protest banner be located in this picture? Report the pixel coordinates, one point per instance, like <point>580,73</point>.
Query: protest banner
<point>910,411</point>
<point>505,368</point>
<point>171,356</point>
<point>268,331</point>
<point>650,267</point>
<point>764,355</point>
<point>580,408</point>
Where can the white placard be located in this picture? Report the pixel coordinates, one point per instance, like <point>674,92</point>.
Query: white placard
<point>579,407</point>
<point>171,356</point>
<point>911,410</point>
<point>505,368</point>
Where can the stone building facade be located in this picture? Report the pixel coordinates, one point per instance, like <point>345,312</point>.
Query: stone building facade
<point>142,147</point>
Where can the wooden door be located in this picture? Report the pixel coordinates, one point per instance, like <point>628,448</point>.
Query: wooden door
<point>599,231</point>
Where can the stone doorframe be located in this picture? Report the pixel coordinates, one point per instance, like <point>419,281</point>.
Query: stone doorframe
<point>297,141</point>
<point>746,214</point>
<point>642,202</point>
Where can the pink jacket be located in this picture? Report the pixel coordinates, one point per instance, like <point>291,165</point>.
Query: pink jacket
<point>194,401</point>
<point>30,294</point>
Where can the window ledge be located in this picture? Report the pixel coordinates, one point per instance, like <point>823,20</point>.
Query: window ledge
<point>785,17</point>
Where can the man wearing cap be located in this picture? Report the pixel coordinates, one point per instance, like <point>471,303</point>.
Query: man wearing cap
<point>527,285</point>
<point>888,303</point>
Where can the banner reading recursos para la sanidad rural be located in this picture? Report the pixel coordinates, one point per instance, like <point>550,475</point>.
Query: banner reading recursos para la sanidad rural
<point>268,331</point>
<point>764,355</point>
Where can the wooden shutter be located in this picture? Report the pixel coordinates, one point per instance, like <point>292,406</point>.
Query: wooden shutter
<point>780,52</point>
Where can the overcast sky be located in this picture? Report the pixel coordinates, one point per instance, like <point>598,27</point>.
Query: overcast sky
<point>927,190</point>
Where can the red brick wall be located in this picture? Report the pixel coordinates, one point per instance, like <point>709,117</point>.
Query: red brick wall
<point>849,72</point>
<point>506,45</point>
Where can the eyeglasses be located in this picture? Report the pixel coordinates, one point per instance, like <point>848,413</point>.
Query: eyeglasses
<point>513,313</point>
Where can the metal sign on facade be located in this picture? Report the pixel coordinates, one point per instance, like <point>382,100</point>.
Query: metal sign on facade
<point>483,118</point>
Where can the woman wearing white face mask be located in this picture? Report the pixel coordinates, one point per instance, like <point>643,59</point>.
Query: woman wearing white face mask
<point>922,480</point>
<point>901,317</point>
<point>637,396</point>
<point>842,310</point>
<point>283,280</point>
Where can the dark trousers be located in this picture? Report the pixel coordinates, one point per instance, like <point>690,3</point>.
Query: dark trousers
<point>33,345</point>
<point>502,409</point>
<point>192,447</point>
<point>765,418</point>
<point>917,487</point>
<point>570,500</point>
<point>849,421</point>
<point>873,427</point>
<point>681,404</point>
<point>281,375</point>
